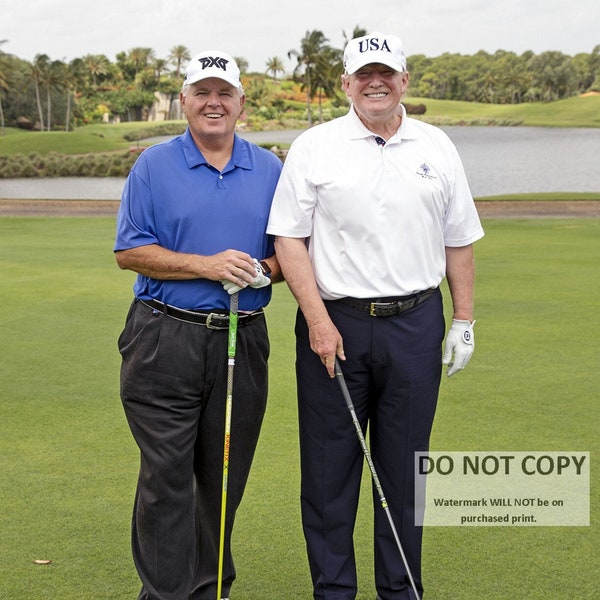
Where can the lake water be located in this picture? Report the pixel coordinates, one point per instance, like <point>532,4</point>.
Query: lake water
<point>497,160</point>
<point>507,160</point>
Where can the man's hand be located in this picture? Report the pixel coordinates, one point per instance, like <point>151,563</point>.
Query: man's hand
<point>260,280</point>
<point>460,343</point>
<point>327,343</point>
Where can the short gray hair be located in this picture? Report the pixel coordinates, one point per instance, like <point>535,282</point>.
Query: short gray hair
<point>186,86</point>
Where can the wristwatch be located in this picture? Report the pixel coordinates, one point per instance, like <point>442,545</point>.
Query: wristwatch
<point>265,267</point>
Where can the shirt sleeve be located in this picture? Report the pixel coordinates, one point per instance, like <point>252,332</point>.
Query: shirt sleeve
<point>135,220</point>
<point>295,197</point>
<point>461,221</point>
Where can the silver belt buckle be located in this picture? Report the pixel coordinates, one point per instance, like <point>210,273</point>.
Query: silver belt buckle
<point>209,319</point>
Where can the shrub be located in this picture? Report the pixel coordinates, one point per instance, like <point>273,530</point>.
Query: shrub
<point>101,164</point>
<point>158,130</point>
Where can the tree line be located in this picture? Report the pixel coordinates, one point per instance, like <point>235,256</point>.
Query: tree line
<point>48,94</point>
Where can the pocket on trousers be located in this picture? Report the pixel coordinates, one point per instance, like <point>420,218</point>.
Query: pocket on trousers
<point>136,322</point>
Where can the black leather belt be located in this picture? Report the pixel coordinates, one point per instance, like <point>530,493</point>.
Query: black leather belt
<point>210,320</point>
<point>387,307</point>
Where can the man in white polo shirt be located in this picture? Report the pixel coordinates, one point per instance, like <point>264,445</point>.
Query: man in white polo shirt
<point>371,212</point>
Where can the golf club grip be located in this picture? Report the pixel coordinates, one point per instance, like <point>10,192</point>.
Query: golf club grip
<point>233,323</point>
<point>343,386</point>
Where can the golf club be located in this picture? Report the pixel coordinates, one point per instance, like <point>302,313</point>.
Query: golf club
<point>340,377</point>
<point>231,343</point>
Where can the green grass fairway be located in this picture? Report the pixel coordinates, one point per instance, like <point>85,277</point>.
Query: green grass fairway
<point>83,140</point>
<point>579,111</point>
<point>69,464</point>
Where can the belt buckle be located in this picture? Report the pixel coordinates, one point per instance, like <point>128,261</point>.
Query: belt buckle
<point>209,319</point>
<point>388,308</point>
<point>375,306</point>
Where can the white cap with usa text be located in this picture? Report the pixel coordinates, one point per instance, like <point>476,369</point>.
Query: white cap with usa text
<point>375,47</point>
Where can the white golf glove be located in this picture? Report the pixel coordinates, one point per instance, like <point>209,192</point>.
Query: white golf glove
<point>460,342</point>
<point>260,280</point>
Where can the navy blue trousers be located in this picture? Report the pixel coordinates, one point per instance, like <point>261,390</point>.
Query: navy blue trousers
<point>393,371</point>
<point>173,389</point>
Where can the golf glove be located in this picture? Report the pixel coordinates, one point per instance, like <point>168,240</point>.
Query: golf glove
<point>260,280</point>
<point>460,342</point>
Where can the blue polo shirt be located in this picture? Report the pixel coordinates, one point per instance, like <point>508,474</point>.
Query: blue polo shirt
<point>174,198</point>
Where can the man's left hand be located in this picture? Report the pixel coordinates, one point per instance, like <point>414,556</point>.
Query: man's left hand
<point>460,343</point>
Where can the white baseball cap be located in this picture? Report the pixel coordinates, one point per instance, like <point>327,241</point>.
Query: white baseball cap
<point>374,48</point>
<point>213,63</point>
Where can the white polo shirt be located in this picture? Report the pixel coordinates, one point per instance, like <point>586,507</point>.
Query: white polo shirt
<point>378,218</point>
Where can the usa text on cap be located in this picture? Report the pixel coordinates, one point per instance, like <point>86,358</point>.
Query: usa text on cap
<point>374,48</point>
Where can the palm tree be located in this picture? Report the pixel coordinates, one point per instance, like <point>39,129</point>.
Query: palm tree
<point>4,84</point>
<point>160,65</point>
<point>242,64</point>
<point>274,66</point>
<point>73,76</point>
<point>356,33</point>
<point>326,76</point>
<point>312,47</point>
<point>96,65</point>
<point>177,56</point>
<point>140,58</point>
<point>52,78</point>
<point>38,68</point>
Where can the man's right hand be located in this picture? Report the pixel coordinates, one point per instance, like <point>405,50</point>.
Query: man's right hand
<point>326,341</point>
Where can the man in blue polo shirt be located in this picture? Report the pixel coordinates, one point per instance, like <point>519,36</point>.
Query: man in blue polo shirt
<point>192,224</point>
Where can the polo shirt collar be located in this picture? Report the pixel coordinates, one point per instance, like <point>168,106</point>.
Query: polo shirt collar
<point>357,129</point>
<point>240,156</point>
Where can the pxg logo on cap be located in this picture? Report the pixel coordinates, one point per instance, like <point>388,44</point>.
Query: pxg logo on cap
<point>213,63</point>
<point>374,48</point>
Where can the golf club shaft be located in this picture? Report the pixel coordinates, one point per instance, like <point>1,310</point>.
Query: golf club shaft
<point>359,432</point>
<point>231,345</point>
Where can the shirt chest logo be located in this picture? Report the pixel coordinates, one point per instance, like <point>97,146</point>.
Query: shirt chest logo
<point>424,171</point>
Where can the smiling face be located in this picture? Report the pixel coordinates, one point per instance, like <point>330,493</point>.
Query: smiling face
<point>375,91</point>
<point>212,107</point>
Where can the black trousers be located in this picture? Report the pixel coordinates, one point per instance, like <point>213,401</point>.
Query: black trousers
<point>173,389</point>
<point>393,371</point>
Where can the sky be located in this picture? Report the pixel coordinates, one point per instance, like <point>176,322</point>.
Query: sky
<point>261,29</point>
